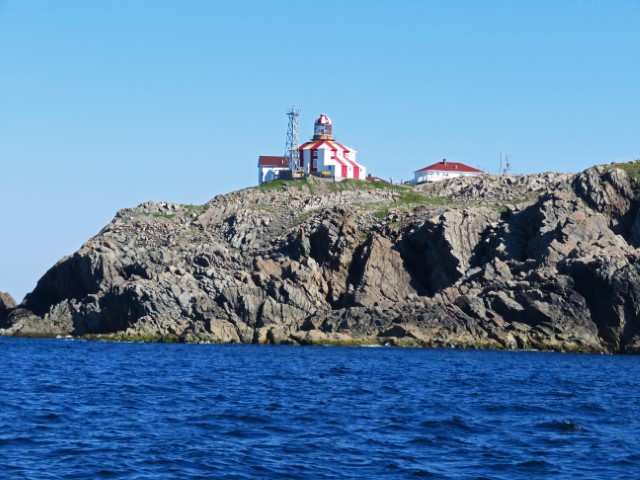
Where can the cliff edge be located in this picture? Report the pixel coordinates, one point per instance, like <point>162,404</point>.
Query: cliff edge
<point>544,261</point>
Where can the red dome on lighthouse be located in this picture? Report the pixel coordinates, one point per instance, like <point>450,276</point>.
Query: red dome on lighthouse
<point>323,119</point>
<point>323,129</point>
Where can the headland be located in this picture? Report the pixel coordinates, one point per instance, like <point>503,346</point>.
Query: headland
<point>545,261</point>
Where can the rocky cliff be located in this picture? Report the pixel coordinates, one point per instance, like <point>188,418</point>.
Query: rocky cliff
<point>540,261</point>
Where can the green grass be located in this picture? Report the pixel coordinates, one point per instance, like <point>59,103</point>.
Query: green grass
<point>501,208</point>
<point>324,184</point>
<point>197,209</point>
<point>415,198</point>
<point>632,169</point>
<point>283,185</point>
<point>189,209</point>
<point>505,206</point>
<point>409,198</point>
<point>351,184</point>
<point>303,217</point>
<point>383,185</point>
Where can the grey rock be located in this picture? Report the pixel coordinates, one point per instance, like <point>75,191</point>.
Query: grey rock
<point>7,303</point>
<point>534,261</point>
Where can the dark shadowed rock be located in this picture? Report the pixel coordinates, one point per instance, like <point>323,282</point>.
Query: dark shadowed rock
<point>7,303</point>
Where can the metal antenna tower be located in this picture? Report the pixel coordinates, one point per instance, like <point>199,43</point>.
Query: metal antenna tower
<point>507,164</point>
<point>291,149</point>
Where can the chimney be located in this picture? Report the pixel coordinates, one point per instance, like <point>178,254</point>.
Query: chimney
<point>444,161</point>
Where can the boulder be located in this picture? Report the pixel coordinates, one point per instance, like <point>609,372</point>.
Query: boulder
<point>7,303</point>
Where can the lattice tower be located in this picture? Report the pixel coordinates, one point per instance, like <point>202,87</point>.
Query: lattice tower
<point>291,149</point>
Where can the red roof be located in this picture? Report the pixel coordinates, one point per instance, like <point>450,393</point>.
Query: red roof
<point>371,178</point>
<point>323,119</point>
<point>271,161</point>
<point>446,166</point>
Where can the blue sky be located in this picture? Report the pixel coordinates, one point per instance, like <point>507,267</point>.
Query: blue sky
<point>107,104</point>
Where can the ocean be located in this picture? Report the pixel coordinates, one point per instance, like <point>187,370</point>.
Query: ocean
<point>89,410</point>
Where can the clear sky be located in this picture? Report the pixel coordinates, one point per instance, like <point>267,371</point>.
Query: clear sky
<point>107,104</point>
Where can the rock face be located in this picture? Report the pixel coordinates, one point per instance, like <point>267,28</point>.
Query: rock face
<point>540,261</point>
<point>7,303</point>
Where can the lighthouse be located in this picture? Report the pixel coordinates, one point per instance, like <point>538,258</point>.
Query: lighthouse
<point>323,156</point>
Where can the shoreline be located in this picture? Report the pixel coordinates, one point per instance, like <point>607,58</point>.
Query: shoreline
<point>365,343</point>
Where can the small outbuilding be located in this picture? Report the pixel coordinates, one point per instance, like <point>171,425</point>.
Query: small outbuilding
<point>371,178</point>
<point>271,167</point>
<point>444,170</point>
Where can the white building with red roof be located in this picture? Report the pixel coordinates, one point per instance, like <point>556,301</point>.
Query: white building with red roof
<point>270,167</point>
<point>325,157</point>
<point>444,170</point>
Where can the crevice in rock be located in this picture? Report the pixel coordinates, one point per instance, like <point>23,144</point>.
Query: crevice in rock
<point>135,269</point>
<point>428,258</point>
<point>599,296</point>
<point>120,308</point>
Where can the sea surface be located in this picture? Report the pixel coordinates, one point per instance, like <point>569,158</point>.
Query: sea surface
<point>91,410</point>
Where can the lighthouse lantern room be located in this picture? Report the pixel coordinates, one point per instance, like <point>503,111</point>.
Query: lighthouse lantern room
<point>324,156</point>
<point>323,129</point>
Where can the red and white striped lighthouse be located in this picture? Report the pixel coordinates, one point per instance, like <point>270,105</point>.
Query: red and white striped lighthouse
<point>324,156</point>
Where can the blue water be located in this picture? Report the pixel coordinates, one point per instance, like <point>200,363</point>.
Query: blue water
<point>88,410</point>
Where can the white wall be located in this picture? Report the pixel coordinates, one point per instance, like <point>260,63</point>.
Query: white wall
<point>266,174</point>
<point>325,162</point>
<point>436,176</point>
